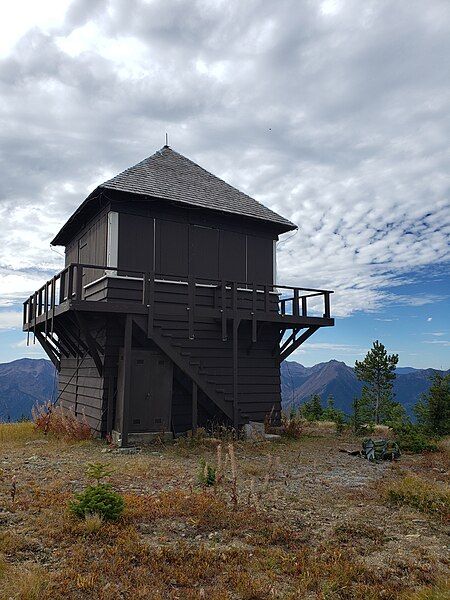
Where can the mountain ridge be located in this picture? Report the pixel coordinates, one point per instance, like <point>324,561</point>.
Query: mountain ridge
<point>26,381</point>
<point>336,378</point>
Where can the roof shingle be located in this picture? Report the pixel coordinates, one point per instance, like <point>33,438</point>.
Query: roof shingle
<point>169,175</point>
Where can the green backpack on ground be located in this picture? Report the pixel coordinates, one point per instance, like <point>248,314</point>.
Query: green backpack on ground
<point>375,450</point>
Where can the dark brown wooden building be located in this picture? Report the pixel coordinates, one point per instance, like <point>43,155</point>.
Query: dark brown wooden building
<point>166,316</point>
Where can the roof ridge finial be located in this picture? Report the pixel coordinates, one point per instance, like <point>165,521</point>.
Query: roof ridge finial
<point>166,145</point>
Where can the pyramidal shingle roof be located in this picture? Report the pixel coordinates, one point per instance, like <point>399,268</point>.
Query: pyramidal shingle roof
<point>171,176</point>
<point>168,175</point>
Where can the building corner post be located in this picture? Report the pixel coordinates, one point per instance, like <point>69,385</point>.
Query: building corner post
<point>127,346</point>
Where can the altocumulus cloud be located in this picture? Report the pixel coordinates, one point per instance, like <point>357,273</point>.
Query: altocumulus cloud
<point>334,114</point>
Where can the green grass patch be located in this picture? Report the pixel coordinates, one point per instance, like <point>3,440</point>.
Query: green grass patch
<point>417,493</point>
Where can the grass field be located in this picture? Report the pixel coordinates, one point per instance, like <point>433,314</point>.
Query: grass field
<point>303,521</point>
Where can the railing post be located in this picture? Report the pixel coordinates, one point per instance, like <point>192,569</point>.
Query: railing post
<point>223,310</point>
<point>327,305</point>
<point>53,300</point>
<point>295,305</point>
<point>266,298</point>
<point>70,284</point>
<point>24,314</point>
<point>304,307</point>
<point>46,306</point>
<point>234,305</point>
<point>79,283</point>
<point>191,304</point>
<point>36,305</point>
<point>62,286</point>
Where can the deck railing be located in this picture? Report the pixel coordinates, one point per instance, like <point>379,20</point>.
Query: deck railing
<point>68,285</point>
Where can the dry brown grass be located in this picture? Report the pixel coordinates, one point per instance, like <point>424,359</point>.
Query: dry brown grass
<point>18,432</point>
<point>26,581</point>
<point>319,527</point>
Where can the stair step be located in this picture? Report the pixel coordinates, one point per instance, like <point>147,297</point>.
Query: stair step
<point>220,391</point>
<point>195,363</point>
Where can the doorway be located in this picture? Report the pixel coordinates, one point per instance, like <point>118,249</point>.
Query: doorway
<point>150,408</point>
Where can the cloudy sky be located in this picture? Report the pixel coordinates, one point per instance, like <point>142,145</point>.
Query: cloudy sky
<point>333,113</point>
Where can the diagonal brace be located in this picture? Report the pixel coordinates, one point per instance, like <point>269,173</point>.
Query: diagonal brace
<point>296,343</point>
<point>92,345</point>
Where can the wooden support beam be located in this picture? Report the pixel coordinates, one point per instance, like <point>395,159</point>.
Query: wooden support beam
<point>236,323</point>
<point>194,407</point>
<point>127,348</point>
<point>326,296</point>
<point>290,339</point>
<point>110,404</point>
<point>93,350</point>
<point>295,344</point>
<point>66,341</point>
<point>48,350</point>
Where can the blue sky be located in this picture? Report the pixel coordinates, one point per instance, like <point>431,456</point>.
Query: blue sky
<point>333,113</point>
<point>419,331</point>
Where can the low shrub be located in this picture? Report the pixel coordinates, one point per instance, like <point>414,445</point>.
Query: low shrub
<point>421,495</point>
<point>292,425</point>
<point>62,424</point>
<point>411,438</point>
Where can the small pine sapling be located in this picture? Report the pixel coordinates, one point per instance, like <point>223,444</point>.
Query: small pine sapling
<point>99,499</point>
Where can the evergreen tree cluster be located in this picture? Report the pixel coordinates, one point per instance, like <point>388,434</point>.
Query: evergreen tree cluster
<point>377,404</point>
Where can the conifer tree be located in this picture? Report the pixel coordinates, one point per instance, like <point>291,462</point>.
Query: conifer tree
<point>361,414</point>
<point>312,409</point>
<point>433,410</point>
<point>377,371</point>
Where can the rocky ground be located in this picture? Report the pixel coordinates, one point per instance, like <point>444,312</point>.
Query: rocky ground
<point>302,520</point>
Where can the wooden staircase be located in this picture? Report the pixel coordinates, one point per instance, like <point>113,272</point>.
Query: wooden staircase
<point>189,356</point>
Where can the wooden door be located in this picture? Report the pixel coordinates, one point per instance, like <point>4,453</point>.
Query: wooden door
<point>151,392</point>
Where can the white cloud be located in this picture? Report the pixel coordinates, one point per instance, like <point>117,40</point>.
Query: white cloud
<point>445,343</point>
<point>10,319</point>
<point>334,114</point>
<point>429,319</point>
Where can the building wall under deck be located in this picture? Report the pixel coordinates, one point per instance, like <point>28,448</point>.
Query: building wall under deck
<point>81,388</point>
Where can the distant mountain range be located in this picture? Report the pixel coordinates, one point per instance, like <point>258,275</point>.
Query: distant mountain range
<point>25,382</point>
<point>298,383</point>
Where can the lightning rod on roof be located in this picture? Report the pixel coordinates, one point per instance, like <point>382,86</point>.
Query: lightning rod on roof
<point>167,139</point>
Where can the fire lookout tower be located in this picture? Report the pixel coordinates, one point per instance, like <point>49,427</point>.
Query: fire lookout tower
<point>167,315</point>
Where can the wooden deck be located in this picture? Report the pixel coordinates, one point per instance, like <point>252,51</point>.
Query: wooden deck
<point>152,294</point>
